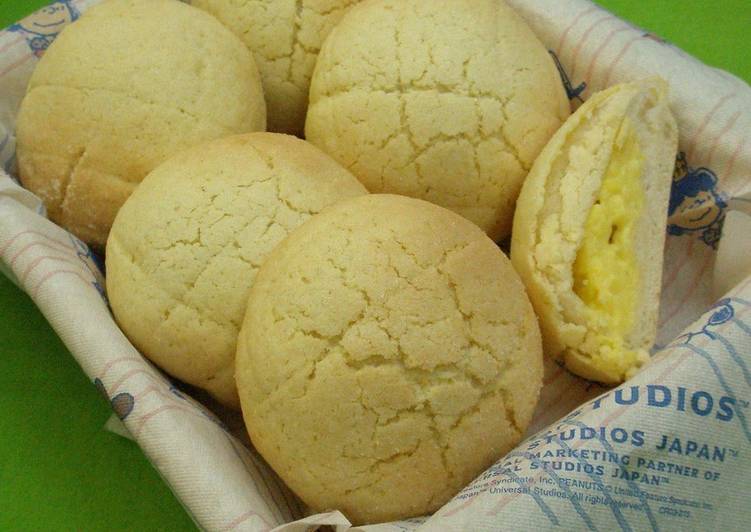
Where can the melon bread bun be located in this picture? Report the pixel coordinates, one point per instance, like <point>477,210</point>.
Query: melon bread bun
<point>389,355</point>
<point>285,37</point>
<point>589,230</point>
<point>186,246</point>
<point>121,89</point>
<point>446,101</point>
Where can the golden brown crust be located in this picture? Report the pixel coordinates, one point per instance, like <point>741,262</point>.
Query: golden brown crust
<point>449,102</point>
<point>185,248</point>
<point>285,38</point>
<point>389,355</point>
<point>120,90</point>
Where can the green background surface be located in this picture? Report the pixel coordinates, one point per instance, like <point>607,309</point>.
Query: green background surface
<point>60,470</point>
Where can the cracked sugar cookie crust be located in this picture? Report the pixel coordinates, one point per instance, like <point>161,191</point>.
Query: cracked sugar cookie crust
<point>388,356</point>
<point>285,37</point>
<point>120,90</point>
<point>185,248</point>
<point>445,101</point>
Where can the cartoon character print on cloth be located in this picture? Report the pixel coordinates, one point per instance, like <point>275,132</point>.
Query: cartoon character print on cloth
<point>122,403</point>
<point>573,93</point>
<point>41,27</point>
<point>696,205</point>
<point>93,263</point>
<point>723,313</point>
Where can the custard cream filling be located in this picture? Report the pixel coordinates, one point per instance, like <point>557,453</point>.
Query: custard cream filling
<point>606,273</point>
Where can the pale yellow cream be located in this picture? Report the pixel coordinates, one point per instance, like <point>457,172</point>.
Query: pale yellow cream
<point>606,274</point>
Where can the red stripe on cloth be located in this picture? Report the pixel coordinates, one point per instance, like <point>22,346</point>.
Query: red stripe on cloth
<point>15,65</point>
<point>462,506</point>
<point>721,135</point>
<point>705,121</point>
<point>244,517</point>
<point>151,388</point>
<point>111,363</point>
<point>584,37</point>
<point>139,425</point>
<point>132,373</point>
<point>9,243</point>
<point>574,22</point>
<point>12,42</point>
<point>32,245</point>
<point>55,273</point>
<point>506,500</point>
<point>608,40</point>
<point>36,262</point>
<point>742,143</point>
<point>688,293</point>
<point>680,265</point>
<point>626,48</point>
